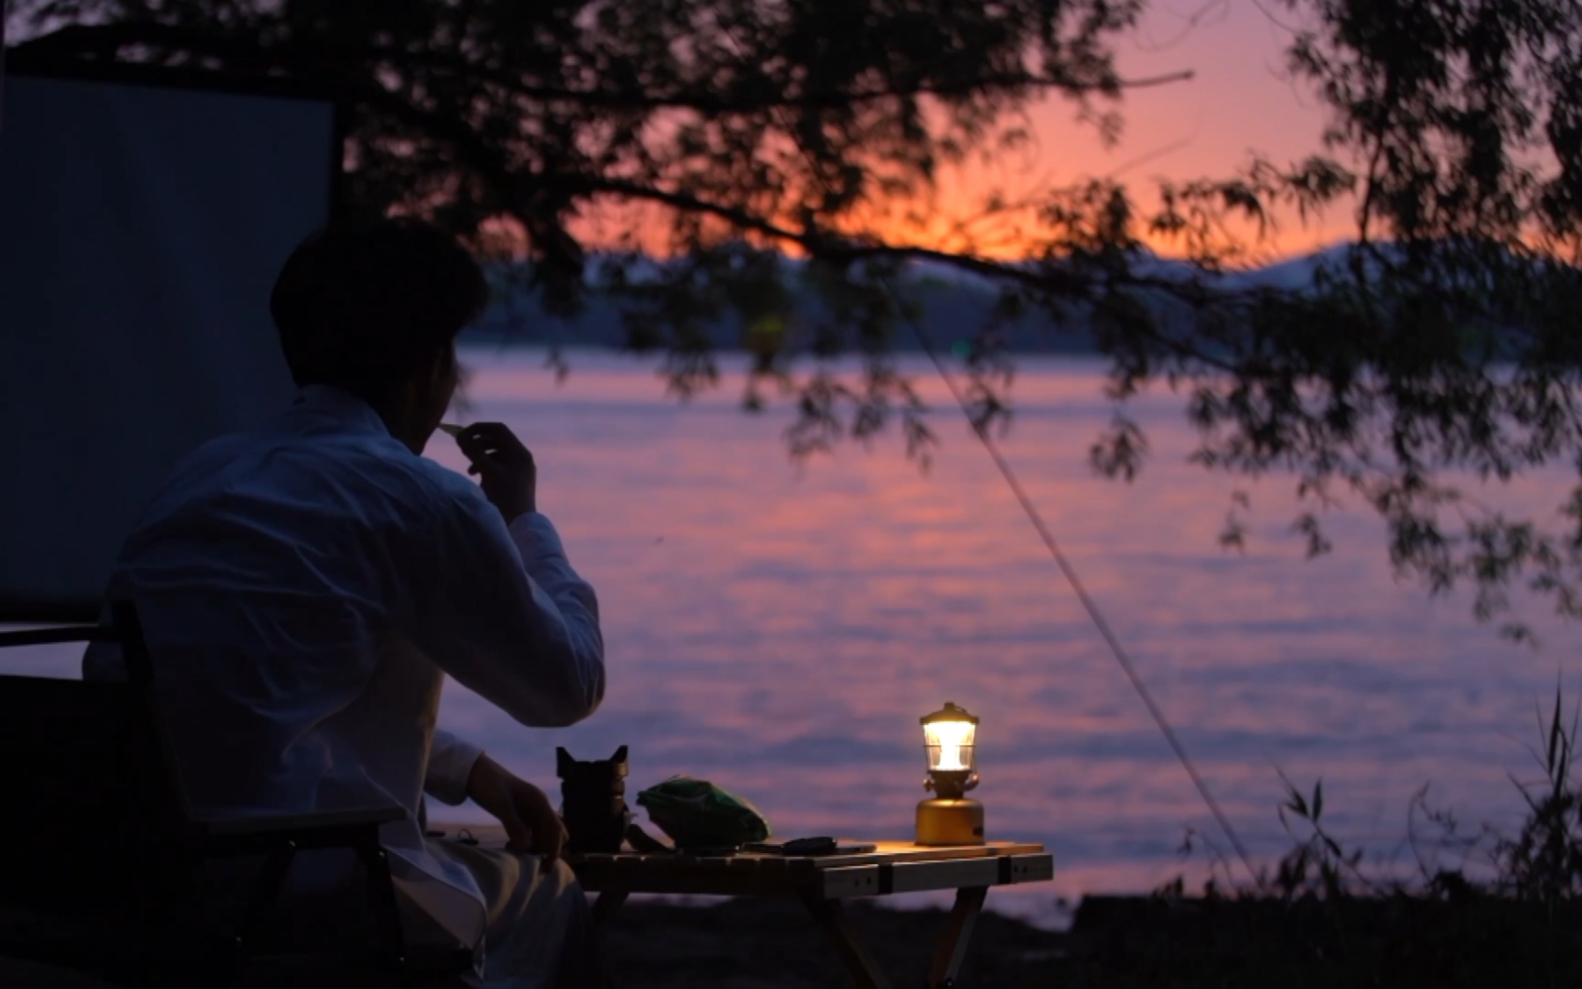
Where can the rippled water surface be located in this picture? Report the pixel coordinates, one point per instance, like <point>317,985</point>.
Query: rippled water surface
<point>780,631</point>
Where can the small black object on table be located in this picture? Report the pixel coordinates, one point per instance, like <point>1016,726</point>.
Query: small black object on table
<point>593,800</point>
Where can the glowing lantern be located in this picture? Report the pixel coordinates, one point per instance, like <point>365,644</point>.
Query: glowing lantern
<point>949,818</point>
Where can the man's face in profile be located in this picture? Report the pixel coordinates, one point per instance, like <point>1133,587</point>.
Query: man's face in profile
<point>460,374</point>
<point>443,385</point>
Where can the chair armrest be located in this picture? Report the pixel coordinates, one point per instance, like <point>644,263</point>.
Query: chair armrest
<point>323,828</point>
<point>51,636</point>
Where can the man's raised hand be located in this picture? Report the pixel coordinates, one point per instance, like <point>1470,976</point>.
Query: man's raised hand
<point>503,465</point>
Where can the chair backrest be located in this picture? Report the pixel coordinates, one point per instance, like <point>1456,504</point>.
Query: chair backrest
<point>92,800</point>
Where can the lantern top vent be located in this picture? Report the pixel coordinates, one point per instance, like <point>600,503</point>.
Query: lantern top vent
<point>950,712</point>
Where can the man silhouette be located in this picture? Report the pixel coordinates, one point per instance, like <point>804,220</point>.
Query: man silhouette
<point>305,588</point>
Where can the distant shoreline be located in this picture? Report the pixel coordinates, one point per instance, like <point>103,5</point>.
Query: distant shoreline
<point>480,340</point>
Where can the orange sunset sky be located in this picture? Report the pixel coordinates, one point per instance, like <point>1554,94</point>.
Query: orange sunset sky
<point>1240,101</point>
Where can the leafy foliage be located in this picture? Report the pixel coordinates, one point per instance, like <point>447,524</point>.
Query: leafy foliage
<point>1541,864</point>
<point>1441,345</point>
<point>1480,907</point>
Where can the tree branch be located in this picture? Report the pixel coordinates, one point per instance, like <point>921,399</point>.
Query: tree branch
<point>108,39</point>
<point>475,154</point>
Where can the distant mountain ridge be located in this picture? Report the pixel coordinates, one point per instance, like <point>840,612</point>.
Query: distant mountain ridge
<point>955,304</point>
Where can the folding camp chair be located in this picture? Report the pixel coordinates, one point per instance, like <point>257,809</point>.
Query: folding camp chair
<point>100,857</point>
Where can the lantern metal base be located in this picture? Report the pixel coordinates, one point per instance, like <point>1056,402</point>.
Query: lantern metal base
<point>949,822</point>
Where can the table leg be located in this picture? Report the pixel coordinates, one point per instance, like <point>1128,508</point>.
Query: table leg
<point>957,934</point>
<point>606,906</point>
<point>831,916</point>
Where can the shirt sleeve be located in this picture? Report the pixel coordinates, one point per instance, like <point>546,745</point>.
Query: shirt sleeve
<point>501,610</point>
<point>450,763</point>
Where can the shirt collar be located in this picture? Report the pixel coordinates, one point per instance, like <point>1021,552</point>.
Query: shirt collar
<point>337,403</point>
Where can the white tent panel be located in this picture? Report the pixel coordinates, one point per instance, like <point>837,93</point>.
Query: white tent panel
<point>141,228</point>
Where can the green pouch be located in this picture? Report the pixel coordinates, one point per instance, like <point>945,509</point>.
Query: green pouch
<point>698,814</point>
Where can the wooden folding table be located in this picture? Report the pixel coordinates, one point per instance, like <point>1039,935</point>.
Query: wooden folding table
<point>824,882</point>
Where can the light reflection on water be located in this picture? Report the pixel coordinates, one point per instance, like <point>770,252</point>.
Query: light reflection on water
<point>780,631</point>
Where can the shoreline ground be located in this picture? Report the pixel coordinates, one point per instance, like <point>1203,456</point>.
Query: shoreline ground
<point>1118,943</point>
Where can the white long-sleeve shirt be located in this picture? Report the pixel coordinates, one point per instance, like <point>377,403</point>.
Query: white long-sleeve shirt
<point>303,590</point>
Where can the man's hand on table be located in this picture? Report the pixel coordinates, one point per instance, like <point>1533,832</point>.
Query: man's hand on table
<point>504,467</point>
<point>531,824</point>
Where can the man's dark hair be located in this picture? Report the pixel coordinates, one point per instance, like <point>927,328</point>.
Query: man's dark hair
<point>364,306</point>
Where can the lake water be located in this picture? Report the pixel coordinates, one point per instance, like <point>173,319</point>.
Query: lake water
<point>779,630</point>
